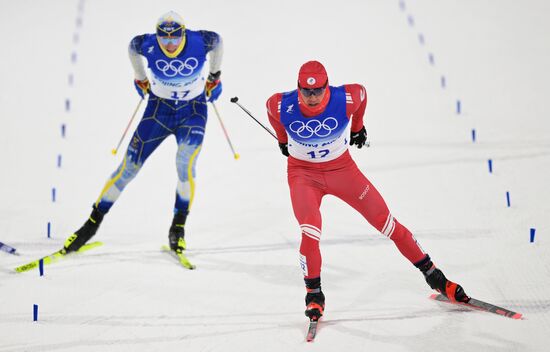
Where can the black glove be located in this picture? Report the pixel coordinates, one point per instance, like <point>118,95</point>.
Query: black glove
<point>284,148</point>
<point>359,138</point>
<point>213,87</point>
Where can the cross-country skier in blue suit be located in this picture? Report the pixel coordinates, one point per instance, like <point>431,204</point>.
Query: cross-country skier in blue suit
<point>178,88</point>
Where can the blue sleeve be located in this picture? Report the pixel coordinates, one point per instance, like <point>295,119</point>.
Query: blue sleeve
<point>137,43</point>
<point>210,39</point>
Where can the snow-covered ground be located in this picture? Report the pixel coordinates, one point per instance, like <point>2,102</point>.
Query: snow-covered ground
<point>247,292</point>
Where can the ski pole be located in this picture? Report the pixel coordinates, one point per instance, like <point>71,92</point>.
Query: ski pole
<point>114,151</point>
<point>235,155</point>
<point>236,101</point>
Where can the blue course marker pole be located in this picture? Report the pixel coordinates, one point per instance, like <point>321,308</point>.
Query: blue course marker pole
<point>9,249</point>
<point>443,82</point>
<point>421,38</point>
<point>59,161</point>
<point>473,135</point>
<point>490,162</point>
<point>49,229</point>
<point>508,199</point>
<point>35,312</point>
<point>63,130</point>
<point>41,266</point>
<point>402,5</point>
<point>431,58</point>
<point>458,107</point>
<point>53,194</point>
<point>532,235</point>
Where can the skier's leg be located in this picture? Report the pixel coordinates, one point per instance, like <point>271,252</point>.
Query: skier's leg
<point>355,189</point>
<point>148,135</point>
<point>306,201</point>
<point>365,198</point>
<point>189,136</point>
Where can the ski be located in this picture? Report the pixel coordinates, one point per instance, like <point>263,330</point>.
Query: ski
<point>479,305</point>
<point>182,258</point>
<point>54,257</point>
<point>312,330</point>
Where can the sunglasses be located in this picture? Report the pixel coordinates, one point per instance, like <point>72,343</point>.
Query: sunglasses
<point>170,40</point>
<point>308,92</point>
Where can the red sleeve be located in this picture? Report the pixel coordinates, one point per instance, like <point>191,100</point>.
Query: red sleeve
<point>356,103</point>
<point>274,113</point>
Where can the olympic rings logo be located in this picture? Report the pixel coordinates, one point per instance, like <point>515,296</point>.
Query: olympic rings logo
<point>177,67</point>
<point>314,127</point>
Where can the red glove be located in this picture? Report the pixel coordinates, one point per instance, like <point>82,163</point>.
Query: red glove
<point>213,87</point>
<point>143,87</point>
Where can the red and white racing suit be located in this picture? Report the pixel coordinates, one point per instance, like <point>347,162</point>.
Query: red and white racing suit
<point>320,164</point>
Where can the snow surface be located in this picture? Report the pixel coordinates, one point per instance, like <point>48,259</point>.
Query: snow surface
<point>247,292</point>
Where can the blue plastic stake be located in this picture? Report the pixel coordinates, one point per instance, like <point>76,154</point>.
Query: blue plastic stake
<point>473,134</point>
<point>53,194</point>
<point>508,198</point>
<point>73,57</point>
<point>443,82</point>
<point>421,38</point>
<point>59,160</point>
<point>35,312</point>
<point>63,130</point>
<point>532,238</point>
<point>431,58</point>
<point>490,162</point>
<point>41,266</point>
<point>67,104</point>
<point>71,79</point>
<point>458,107</point>
<point>9,249</point>
<point>411,20</point>
<point>49,229</point>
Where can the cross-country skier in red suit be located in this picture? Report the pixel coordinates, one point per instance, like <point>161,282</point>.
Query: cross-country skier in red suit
<point>315,124</point>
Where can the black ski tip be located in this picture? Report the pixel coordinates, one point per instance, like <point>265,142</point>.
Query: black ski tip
<point>234,99</point>
<point>312,330</point>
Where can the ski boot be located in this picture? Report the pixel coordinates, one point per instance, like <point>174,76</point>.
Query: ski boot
<point>87,231</point>
<point>437,281</point>
<point>315,299</point>
<point>176,234</point>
